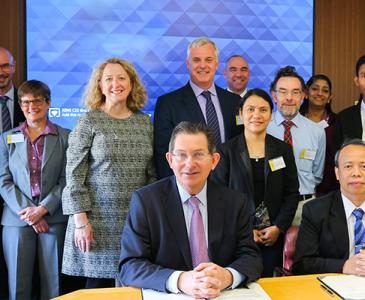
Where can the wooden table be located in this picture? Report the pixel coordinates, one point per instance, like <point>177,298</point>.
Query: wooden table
<point>279,288</point>
<point>296,288</point>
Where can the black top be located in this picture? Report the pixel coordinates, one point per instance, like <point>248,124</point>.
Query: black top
<point>258,174</point>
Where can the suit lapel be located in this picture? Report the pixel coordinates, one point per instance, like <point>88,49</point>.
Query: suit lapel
<point>216,213</point>
<point>175,216</point>
<point>357,121</point>
<point>50,142</point>
<point>245,163</point>
<point>191,102</point>
<point>22,151</point>
<point>270,153</point>
<point>338,225</point>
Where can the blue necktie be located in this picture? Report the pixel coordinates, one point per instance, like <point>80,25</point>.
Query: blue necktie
<point>359,229</point>
<point>5,114</point>
<point>212,119</point>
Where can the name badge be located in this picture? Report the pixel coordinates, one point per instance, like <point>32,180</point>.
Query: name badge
<point>323,124</point>
<point>277,163</point>
<point>308,154</point>
<point>238,120</point>
<point>15,138</point>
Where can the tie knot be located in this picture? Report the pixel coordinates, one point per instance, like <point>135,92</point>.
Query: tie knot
<point>358,213</point>
<point>194,202</point>
<point>206,94</point>
<point>288,124</point>
<point>3,99</point>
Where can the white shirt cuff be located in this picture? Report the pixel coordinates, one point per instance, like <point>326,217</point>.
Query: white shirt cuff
<point>171,282</point>
<point>238,278</point>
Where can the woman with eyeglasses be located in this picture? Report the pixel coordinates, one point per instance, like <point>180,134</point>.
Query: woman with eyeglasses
<point>317,107</point>
<point>110,156</point>
<point>263,168</point>
<point>32,177</point>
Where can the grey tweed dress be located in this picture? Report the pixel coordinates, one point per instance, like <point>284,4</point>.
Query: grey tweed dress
<point>107,160</point>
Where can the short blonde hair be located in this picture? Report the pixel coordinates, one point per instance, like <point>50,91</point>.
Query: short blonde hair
<point>94,98</point>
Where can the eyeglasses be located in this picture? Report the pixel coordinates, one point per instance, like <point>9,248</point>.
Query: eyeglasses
<point>35,102</point>
<point>5,67</point>
<point>286,93</point>
<point>195,156</point>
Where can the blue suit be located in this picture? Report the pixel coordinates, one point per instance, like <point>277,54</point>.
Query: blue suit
<point>155,240</point>
<point>21,243</point>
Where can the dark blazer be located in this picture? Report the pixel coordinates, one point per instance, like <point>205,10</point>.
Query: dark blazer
<point>155,240</point>
<point>348,126</point>
<point>182,105</point>
<point>18,114</point>
<point>281,186</point>
<point>323,241</point>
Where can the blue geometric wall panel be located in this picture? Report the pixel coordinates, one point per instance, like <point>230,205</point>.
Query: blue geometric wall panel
<point>66,39</point>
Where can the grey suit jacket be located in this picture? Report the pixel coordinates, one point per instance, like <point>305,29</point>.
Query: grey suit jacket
<point>15,177</point>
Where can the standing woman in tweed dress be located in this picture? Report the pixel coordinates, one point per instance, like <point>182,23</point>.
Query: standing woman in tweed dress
<point>109,156</point>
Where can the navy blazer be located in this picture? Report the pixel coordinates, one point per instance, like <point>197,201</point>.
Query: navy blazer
<point>182,105</point>
<point>348,126</point>
<point>281,186</point>
<point>323,240</point>
<point>155,240</point>
<point>15,177</point>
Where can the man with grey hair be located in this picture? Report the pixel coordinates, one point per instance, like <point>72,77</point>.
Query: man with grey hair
<point>10,116</point>
<point>199,101</point>
<point>331,236</point>
<point>237,74</point>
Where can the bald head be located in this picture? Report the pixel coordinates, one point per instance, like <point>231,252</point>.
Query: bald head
<point>7,70</point>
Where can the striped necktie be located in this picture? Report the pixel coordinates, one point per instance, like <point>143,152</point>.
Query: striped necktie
<point>5,113</point>
<point>212,118</point>
<point>359,230</point>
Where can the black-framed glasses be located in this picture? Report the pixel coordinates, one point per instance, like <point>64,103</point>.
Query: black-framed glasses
<point>35,102</point>
<point>6,67</point>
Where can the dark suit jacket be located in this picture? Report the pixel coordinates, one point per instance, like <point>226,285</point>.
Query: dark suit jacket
<point>281,186</point>
<point>155,240</point>
<point>18,114</point>
<point>182,105</point>
<point>323,241</point>
<point>348,126</point>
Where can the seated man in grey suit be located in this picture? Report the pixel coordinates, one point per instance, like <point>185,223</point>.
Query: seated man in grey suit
<point>332,235</point>
<point>185,233</point>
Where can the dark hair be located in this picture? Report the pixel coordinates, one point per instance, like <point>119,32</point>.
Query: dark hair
<point>359,63</point>
<point>304,107</point>
<point>348,142</point>
<point>192,128</point>
<point>36,88</point>
<point>256,92</point>
<point>288,71</point>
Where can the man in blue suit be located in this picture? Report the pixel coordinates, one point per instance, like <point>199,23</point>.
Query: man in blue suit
<point>159,249</point>
<point>199,101</point>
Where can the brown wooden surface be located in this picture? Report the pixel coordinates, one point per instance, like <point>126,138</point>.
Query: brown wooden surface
<point>295,288</point>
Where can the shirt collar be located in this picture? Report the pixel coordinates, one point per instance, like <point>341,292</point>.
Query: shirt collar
<point>10,94</point>
<point>184,195</point>
<point>198,90</point>
<point>362,105</point>
<point>49,129</point>
<point>349,206</point>
<point>280,119</point>
<point>241,95</point>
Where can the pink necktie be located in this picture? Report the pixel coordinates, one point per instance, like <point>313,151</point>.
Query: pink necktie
<point>198,244</point>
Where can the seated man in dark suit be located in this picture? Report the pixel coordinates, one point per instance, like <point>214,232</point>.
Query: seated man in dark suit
<point>332,232</point>
<point>184,233</point>
<point>349,123</point>
<point>199,101</point>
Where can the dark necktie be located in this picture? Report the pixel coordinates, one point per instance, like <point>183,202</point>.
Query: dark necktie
<point>5,113</point>
<point>198,244</point>
<point>287,134</point>
<point>359,230</point>
<point>212,119</point>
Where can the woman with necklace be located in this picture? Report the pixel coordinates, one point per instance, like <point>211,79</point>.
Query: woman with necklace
<point>263,168</point>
